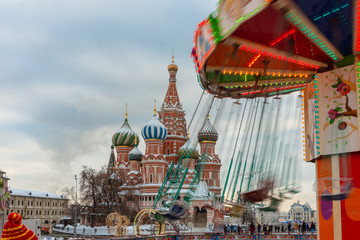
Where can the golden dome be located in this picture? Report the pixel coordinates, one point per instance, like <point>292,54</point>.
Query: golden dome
<point>172,66</point>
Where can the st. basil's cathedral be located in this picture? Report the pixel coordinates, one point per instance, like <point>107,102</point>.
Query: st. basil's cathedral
<point>167,141</point>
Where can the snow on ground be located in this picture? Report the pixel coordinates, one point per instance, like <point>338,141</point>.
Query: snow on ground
<point>103,230</point>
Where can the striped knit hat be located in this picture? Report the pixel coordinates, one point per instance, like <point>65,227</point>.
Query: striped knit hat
<point>14,230</point>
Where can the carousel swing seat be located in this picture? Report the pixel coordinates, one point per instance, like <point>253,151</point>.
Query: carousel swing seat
<point>289,193</point>
<point>273,206</point>
<point>260,194</point>
<point>340,191</point>
<point>233,210</point>
<point>176,211</point>
<point>294,190</point>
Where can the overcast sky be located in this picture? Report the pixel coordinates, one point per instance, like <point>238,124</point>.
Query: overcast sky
<point>68,68</point>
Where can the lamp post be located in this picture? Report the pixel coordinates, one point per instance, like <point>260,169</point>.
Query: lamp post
<point>75,220</point>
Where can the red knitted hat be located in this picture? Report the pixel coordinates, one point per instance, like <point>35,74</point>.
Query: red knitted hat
<point>14,230</point>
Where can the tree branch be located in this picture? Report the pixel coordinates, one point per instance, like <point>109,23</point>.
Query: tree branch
<point>353,130</point>
<point>348,108</point>
<point>352,113</point>
<point>347,82</point>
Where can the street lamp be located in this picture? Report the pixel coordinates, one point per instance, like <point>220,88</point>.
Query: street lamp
<point>75,221</point>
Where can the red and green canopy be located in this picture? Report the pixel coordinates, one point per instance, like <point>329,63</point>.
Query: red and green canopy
<point>253,47</point>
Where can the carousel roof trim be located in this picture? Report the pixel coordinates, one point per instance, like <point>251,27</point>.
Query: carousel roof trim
<point>243,70</point>
<point>299,20</point>
<point>356,22</point>
<point>243,19</point>
<point>275,53</point>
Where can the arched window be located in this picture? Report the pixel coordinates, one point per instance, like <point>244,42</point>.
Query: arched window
<point>151,178</point>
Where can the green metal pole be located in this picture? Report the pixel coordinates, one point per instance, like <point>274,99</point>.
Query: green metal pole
<point>180,186</point>
<point>226,181</point>
<point>236,176</point>
<point>174,175</point>
<point>163,184</point>
<point>251,172</point>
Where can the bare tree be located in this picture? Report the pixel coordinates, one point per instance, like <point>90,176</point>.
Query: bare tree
<point>249,214</point>
<point>116,195</point>
<point>90,188</point>
<point>103,192</point>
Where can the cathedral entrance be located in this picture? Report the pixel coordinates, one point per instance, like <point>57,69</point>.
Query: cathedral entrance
<point>200,217</point>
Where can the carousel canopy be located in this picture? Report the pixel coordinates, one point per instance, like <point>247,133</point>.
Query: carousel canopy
<point>253,47</point>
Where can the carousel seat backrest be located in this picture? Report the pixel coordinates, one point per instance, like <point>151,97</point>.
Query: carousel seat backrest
<point>176,211</point>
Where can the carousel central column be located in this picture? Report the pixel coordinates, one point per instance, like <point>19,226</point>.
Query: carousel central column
<point>331,107</point>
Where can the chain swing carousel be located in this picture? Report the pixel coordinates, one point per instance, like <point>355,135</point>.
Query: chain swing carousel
<point>180,188</point>
<point>259,49</point>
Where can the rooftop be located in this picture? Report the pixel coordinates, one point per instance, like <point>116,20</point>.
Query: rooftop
<point>27,193</point>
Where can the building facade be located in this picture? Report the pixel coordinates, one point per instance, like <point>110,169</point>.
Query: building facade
<point>48,207</point>
<point>166,142</point>
<point>4,184</point>
<point>299,212</point>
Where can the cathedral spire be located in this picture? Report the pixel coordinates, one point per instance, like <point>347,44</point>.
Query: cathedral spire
<point>172,100</point>
<point>172,68</point>
<point>111,164</point>
<point>126,111</point>
<point>154,107</point>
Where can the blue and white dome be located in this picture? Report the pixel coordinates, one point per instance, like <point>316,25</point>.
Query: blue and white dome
<point>154,130</point>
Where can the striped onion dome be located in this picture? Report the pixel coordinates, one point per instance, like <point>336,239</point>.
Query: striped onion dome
<point>188,150</point>
<point>154,129</point>
<point>208,132</point>
<point>135,154</point>
<point>125,136</point>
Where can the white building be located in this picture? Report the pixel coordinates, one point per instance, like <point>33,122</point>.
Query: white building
<point>4,187</point>
<point>48,207</point>
<point>283,216</point>
<point>299,212</point>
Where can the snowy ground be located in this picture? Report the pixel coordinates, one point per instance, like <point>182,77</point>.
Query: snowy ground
<point>82,230</point>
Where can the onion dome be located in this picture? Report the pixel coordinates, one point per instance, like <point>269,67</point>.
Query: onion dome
<point>208,132</point>
<point>154,129</point>
<point>172,66</point>
<point>125,136</point>
<point>188,150</point>
<point>135,154</point>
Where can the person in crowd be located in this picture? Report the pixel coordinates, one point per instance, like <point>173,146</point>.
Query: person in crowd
<point>259,228</point>
<point>303,227</point>
<point>252,228</point>
<point>282,228</point>
<point>312,227</point>
<point>289,227</point>
<point>15,230</point>
<point>229,228</point>
<point>296,226</point>
<point>265,229</point>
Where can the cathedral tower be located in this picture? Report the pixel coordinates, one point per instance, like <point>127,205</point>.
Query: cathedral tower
<point>124,141</point>
<point>154,165</point>
<point>134,176</point>
<point>207,137</point>
<point>172,116</point>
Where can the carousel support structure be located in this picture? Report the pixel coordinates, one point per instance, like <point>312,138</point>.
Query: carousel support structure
<point>119,222</point>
